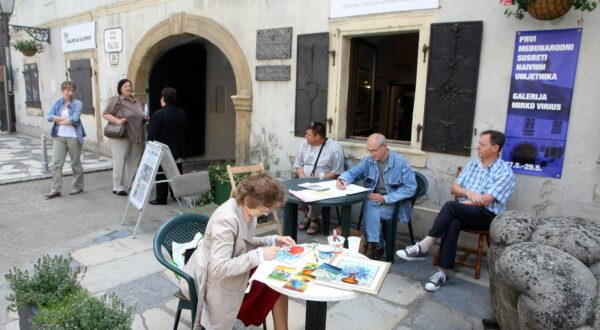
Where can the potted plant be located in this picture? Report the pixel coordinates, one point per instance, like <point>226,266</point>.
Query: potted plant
<point>546,9</point>
<point>219,180</point>
<point>51,297</point>
<point>28,47</point>
<point>51,280</point>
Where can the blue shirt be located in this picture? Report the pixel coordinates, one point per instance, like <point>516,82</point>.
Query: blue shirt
<point>74,108</point>
<point>398,177</point>
<point>497,180</point>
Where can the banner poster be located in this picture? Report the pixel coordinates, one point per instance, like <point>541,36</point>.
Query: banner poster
<point>541,88</point>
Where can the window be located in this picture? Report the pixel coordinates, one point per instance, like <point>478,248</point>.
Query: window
<point>557,127</point>
<point>32,86</point>
<point>528,126</point>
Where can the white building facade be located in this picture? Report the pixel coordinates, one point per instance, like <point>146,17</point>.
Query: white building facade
<point>253,73</point>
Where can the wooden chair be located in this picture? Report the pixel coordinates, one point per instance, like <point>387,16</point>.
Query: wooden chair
<point>258,168</point>
<point>480,252</point>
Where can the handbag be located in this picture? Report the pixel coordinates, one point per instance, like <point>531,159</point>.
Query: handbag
<point>114,131</point>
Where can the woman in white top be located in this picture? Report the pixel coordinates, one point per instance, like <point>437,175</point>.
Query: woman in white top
<point>68,133</point>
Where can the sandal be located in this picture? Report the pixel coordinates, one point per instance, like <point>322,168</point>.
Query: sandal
<point>304,223</point>
<point>313,228</point>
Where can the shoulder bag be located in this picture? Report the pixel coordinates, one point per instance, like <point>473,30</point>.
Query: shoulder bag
<point>115,131</point>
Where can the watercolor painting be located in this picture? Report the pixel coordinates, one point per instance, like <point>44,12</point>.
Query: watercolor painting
<point>353,274</point>
<point>305,272</point>
<point>282,273</point>
<point>357,273</point>
<point>292,254</point>
<point>327,272</point>
<point>296,284</point>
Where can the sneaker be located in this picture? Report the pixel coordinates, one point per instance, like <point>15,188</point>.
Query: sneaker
<point>412,252</point>
<point>436,281</point>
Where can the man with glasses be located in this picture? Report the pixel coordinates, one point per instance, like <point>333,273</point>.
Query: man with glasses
<point>482,190</point>
<point>392,180</point>
<point>317,157</point>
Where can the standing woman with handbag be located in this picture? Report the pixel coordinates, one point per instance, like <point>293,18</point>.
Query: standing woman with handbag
<point>127,151</point>
<point>68,133</point>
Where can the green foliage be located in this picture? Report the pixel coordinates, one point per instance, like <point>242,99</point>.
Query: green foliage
<point>217,172</point>
<point>52,279</point>
<point>81,311</point>
<point>30,44</point>
<point>519,13</point>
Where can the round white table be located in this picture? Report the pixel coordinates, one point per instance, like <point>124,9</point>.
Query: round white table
<point>316,296</point>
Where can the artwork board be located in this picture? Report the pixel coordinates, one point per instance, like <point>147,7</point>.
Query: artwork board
<point>355,274</point>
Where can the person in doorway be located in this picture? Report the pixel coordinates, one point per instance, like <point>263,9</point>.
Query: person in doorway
<point>221,265</point>
<point>68,134</point>
<point>392,180</point>
<point>123,109</point>
<point>482,190</point>
<point>168,126</point>
<point>317,157</point>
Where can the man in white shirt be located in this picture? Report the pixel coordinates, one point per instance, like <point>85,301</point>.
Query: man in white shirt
<point>317,157</point>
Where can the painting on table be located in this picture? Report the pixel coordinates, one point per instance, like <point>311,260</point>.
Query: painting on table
<point>356,274</point>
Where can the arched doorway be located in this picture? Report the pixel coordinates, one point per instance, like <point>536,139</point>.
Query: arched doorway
<point>169,33</point>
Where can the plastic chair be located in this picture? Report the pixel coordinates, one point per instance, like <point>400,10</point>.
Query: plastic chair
<point>190,184</point>
<point>390,227</point>
<point>180,228</point>
<point>258,168</point>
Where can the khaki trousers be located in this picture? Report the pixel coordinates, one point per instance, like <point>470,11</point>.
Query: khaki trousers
<point>60,147</point>
<point>126,159</point>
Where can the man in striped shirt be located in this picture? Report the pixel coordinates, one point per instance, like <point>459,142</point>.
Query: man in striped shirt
<point>482,190</point>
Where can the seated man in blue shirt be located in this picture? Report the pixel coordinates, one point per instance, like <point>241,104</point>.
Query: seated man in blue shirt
<point>392,180</point>
<point>482,189</point>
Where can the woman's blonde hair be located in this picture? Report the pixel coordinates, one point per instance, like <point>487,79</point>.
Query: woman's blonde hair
<point>258,190</point>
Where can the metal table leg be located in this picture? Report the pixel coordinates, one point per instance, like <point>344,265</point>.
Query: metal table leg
<point>346,220</point>
<point>290,220</point>
<point>316,315</point>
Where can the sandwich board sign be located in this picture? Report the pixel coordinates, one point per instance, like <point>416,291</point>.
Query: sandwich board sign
<point>155,154</point>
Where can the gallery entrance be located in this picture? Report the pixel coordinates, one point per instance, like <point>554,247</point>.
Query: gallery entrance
<point>184,68</point>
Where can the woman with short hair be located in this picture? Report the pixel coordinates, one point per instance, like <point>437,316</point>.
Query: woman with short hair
<point>68,133</point>
<point>229,251</point>
<point>124,109</point>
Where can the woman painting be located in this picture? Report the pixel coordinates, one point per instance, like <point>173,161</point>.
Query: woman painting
<point>123,109</point>
<point>68,134</point>
<point>221,265</point>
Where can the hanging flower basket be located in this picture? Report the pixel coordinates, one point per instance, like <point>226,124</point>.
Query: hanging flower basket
<point>547,10</point>
<point>28,47</point>
<point>29,52</point>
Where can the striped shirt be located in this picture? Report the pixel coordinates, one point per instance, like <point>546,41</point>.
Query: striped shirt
<point>497,180</point>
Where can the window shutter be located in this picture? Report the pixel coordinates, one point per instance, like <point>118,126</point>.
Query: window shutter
<point>451,87</point>
<point>80,72</point>
<point>311,80</point>
<point>32,92</point>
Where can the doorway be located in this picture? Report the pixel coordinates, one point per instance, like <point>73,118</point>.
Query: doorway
<point>184,68</point>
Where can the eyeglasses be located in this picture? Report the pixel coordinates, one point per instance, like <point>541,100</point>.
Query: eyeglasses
<point>374,150</point>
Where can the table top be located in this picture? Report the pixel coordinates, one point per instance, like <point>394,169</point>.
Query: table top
<point>313,292</point>
<point>338,201</point>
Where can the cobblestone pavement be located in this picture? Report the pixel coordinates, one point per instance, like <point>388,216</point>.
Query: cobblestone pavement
<point>88,226</point>
<point>21,159</point>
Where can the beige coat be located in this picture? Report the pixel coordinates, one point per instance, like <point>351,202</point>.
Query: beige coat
<point>220,266</point>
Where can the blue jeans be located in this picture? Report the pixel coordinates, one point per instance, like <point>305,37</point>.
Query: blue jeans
<point>373,212</point>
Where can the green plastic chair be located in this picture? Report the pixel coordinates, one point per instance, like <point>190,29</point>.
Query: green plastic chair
<point>390,227</point>
<point>181,229</point>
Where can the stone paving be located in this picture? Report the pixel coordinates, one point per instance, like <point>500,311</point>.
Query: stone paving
<point>88,226</point>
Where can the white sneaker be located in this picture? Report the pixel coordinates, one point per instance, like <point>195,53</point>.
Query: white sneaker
<point>436,281</point>
<point>412,252</point>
